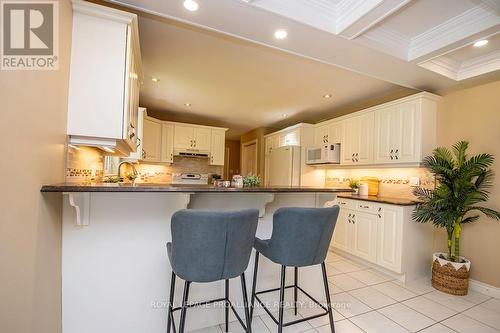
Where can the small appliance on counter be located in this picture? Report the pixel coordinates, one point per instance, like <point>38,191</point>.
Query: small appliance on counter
<point>324,154</point>
<point>189,178</point>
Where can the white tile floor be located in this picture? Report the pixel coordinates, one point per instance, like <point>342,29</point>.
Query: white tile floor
<point>366,300</point>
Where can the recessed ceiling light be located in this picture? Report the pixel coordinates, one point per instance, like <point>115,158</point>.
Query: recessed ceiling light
<point>284,115</point>
<point>327,96</point>
<point>191,5</point>
<point>480,43</point>
<point>155,79</point>
<point>187,104</point>
<point>280,34</point>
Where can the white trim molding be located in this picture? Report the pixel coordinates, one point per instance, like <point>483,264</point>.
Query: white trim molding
<point>484,288</point>
<point>449,34</point>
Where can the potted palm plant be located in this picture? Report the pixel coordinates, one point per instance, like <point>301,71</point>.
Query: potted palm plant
<point>462,184</point>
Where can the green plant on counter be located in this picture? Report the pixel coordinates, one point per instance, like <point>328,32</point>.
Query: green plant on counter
<point>354,183</point>
<point>251,181</point>
<point>461,184</point>
<point>111,179</point>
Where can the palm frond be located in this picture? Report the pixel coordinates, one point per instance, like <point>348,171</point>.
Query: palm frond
<point>493,214</point>
<point>459,149</point>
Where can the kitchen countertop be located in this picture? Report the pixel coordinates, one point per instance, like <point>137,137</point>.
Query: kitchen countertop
<point>150,187</point>
<point>379,199</point>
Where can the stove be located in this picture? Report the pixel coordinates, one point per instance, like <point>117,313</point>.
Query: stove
<point>190,178</point>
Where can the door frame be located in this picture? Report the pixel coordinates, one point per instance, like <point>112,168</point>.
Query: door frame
<point>242,150</point>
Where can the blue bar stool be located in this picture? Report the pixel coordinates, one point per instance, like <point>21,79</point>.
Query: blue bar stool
<point>210,246</point>
<point>300,238</point>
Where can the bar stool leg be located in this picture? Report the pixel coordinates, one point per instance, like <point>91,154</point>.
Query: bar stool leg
<point>171,302</point>
<point>282,299</point>
<point>328,301</point>
<point>184,306</point>
<point>248,319</point>
<point>227,305</point>
<point>295,284</point>
<point>254,283</point>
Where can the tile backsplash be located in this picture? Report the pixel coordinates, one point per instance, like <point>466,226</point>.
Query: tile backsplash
<point>84,164</point>
<point>162,173</point>
<point>394,182</point>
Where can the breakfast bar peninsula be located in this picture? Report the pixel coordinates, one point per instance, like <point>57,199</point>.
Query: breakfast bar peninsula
<point>115,270</point>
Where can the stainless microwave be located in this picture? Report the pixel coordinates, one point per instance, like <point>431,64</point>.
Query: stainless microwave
<point>324,154</point>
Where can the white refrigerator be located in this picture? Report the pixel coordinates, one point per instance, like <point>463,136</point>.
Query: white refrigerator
<point>284,166</point>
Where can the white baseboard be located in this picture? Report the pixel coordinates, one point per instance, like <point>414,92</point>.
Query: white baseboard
<point>484,288</point>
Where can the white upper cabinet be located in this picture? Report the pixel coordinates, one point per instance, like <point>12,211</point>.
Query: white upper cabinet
<point>218,147</point>
<point>151,140</point>
<point>183,137</point>
<point>167,143</point>
<point>357,141</point>
<point>202,138</point>
<point>105,74</point>
<point>398,132</point>
<point>192,138</point>
<point>272,142</point>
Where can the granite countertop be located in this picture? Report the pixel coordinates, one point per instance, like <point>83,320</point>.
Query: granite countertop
<point>379,199</point>
<point>150,187</point>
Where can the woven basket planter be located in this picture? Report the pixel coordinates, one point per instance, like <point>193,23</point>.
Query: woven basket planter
<point>450,277</point>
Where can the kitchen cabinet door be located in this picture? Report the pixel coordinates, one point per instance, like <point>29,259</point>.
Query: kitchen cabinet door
<point>272,142</point>
<point>167,143</point>
<point>342,233</point>
<point>291,138</point>
<point>408,137</point>
<point>202,138</point>
<point>183,137</point>
<point>334,134</point>
<point>390,237</point>
<point>364,152</point>
<point>365,236</point>
<point>387,132</point>
<point>218,147</point>
<point>350,140</point>
<point>321,135</point>
<point>151,140</point>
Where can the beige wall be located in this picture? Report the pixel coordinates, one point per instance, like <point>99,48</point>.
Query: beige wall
<point>33,119</point>
<point>473,114</point>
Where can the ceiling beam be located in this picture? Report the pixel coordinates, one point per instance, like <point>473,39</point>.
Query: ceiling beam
<point>476,23</point>
<point>354,17</point>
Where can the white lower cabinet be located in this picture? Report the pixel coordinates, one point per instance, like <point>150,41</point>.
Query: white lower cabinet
<point>384,235</point>
<point>365,236</point>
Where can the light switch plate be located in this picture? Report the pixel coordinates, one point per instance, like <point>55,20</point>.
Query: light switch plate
<point>414,181</point>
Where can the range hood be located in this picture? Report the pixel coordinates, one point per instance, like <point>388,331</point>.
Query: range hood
<point>191,153</point>
<point>114,147</point>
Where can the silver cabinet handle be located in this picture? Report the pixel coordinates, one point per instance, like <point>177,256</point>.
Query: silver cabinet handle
<point>379,216</point>
<point>397,154</point>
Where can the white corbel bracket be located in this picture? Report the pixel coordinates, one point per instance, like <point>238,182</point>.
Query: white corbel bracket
<point>80,201</point>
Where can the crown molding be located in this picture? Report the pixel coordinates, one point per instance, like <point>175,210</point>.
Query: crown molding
<point>366,17</point>
<point>456,29</point>
<point>479,65</point>
<point>443,65</point>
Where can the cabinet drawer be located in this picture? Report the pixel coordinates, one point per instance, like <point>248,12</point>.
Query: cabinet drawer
<point>367,207</point>
<point>345,203</point>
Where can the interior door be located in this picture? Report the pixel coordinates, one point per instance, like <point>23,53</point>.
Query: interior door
<point>183,137</point>
<point>202,138</point>
<point>151,140</point>
<point>390,238</point>
<point>365,236</point>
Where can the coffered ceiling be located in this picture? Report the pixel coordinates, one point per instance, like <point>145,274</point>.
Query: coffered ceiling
<point>429,33</point>
<point>222,65</point>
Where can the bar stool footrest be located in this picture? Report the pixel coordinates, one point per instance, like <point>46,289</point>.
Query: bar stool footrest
<point>295,321</point>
